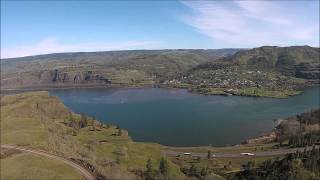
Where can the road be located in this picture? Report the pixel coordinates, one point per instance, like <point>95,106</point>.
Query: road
<point>277,152</point>
<point>83,171</point>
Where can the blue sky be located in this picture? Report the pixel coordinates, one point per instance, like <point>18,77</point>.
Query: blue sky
<point>40,27</point>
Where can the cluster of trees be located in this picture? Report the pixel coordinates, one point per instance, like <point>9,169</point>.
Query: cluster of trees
<point>119,132</point>
<point>84,121</point>
<point>302,140</point>
<point>299,165</point>
<point>161,173</point>
<point>194,171</point>
<point>310,137</point>
<point>310,117</point>
<point>300,130</point>
<point>202,172</point>
<point>77,123</point>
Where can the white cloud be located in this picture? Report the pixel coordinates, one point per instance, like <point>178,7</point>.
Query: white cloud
<point>52,45</point>
<point>250,23</point>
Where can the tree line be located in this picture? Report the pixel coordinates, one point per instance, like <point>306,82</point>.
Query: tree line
<point>302,140</point>
<point>84,121</point>
<point>310,117</point>
<point>300,165</point>
<point>161,173</point>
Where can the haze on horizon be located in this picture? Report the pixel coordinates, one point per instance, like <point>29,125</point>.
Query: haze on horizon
<point>34,27</point>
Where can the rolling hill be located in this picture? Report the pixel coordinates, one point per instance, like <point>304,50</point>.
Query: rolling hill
<point>129,68</point>
<point>265,71</point>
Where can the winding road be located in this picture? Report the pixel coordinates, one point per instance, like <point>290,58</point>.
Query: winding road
<point>88,176</point>
<point>83,171</point>
<point>276,152</point>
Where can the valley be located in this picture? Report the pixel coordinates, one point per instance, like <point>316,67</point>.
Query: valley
<point>267,71</point>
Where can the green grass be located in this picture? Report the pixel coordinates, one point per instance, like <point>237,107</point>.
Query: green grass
<point>23,131</point>
<point>227,149</point>
<point>219,166</point>
<point>27,166</point>
<point>37,120</point>
<point>237,163</point>
<point>262,92</point>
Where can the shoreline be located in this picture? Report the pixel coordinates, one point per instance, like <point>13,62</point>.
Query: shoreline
<point>264,138</point>
<point>222,92</point>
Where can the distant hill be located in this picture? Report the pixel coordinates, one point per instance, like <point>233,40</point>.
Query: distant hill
<point>131,68</point>
<point>274,54</point>
<point>300,61</point>
<point>264,71</point>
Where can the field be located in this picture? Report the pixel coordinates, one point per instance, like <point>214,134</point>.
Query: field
<point>27,166</point>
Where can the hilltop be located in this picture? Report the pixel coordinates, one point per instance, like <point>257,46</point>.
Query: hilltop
<point>298,61</point>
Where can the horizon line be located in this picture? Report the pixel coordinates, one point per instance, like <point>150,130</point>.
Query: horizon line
<point>160,49</point>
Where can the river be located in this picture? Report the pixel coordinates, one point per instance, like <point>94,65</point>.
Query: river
<point>178,118</point>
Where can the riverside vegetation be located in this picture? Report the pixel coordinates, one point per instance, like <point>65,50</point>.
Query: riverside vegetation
<point>40,121</point>
<point>300,165</point>
<point>265,71</point>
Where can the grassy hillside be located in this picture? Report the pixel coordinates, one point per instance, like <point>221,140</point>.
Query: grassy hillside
<point>42,121</point>
<point>275,56</point>
<point>129,68</point>
<point>265,71</point>
<point>26,166</point>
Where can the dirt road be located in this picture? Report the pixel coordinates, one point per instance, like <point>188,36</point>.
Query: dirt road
<point>84,172</point>
<point>277,152</point>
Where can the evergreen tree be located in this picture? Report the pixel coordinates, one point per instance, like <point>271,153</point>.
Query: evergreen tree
<point>192,170</point>
<point>299,165</point>
<point>149,170</point>
<point>204,171</point>
<point>83,121</point>
<point>164,166</point>
<point>119,132</point>
<point>118,159</point>
<point>209,155</point>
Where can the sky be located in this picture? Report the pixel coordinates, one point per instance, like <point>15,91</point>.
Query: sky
<point>42,27</point>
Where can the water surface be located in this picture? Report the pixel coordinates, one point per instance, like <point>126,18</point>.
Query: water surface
<point>179,118</point>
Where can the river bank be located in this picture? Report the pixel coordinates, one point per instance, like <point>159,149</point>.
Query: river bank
<point>248,92</point>
<point>142,104</point>
<point>166,116</point>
